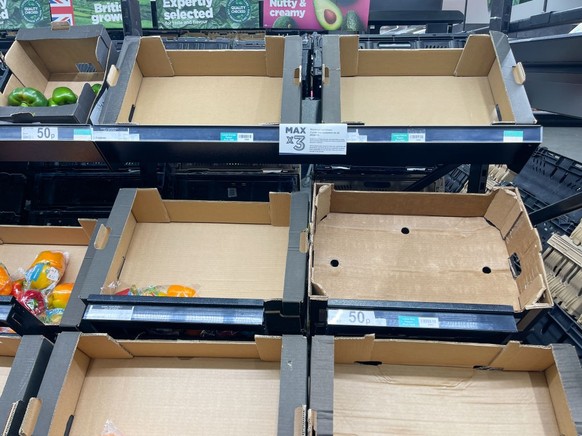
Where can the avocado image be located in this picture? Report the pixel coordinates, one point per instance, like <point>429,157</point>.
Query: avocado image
<point>328,14</point>
<point>284,23</point>
<point>352,22</point>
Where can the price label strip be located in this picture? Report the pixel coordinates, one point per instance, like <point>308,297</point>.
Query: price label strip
<point>354,317</point>
<point>38,133</point>
<point>103,312</point>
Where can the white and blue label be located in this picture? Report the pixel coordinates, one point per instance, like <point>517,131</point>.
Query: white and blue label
<point>512,136</point>
<point>320,139</point>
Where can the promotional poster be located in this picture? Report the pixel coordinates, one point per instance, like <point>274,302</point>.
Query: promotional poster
<point>208,14</point>
<point>347,15</point>
<point>24,14</point>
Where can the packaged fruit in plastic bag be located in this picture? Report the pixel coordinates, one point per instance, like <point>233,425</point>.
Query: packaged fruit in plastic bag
<point>46,271</point>
<point>59,297</point>
<point>159,291</point>
<point>5,281</point>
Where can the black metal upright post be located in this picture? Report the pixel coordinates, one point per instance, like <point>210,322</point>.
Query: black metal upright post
<point>500,15</point>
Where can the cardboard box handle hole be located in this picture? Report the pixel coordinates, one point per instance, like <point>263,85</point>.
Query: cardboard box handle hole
<point>102,237</point>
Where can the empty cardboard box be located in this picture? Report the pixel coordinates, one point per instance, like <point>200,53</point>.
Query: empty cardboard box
<point>225,250</point>
<point>21,244</point>
<point>172,387</point>
<point>477,85</point>
<point>44,59</point>
<point>22,365</point>
<point>478,249</point>
<point>151,85</point>
<point>368,386</point>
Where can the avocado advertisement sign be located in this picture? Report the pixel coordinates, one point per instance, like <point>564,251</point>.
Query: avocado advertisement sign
<point>351,15</point>
<point>105,12</point>
<point>17,14</point>
<point>208,14</point>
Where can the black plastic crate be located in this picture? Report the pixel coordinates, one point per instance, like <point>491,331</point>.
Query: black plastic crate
<point>9,218</point>
<point>555,326</point>
<point>413,41</point>
<point>356,178</point>
<point>13,189</point>
<point>87,188</point>
<point>197,43</point>
<point>456,179</point>
<point>63,217</point>
<point>229,186</point>
<point>546,179</point>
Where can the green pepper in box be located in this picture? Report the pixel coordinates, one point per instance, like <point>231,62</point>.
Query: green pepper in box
<point>64,95</point>
<point>27,97</point>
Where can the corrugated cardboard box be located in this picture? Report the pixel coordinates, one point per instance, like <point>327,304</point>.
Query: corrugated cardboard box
<point>154,86</point>
<point>45,59</point>
<point>21,244</point>
<point>172,387</point>
<point>241,250</point>
<point>22,365</point>
<point>478,85</point>
<point>367,386</point>
<point>426,247</point>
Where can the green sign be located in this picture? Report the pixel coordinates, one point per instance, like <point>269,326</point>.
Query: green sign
<point>208,14</point>
<point>17,14</point>
<point>108,13</point>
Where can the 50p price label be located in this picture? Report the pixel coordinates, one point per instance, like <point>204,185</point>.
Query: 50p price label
<point>354,317</point>
<point>39,133</point>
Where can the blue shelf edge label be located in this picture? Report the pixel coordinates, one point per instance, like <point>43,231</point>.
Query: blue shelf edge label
<point>236,137</point>
<point>512,136</point>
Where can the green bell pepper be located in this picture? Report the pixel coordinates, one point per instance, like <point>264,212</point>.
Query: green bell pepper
<point>64,95</point>
<point>96,88</point>
<point>51,102</point>
<point>27,97</point>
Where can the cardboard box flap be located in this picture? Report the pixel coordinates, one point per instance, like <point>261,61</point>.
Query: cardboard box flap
<point>88,226</point>
<point>349,52</point>
<point>153,59</point>
<point>350,350</point>
<point>452,354</point>
<point>504,210</point>
<point>276,212</point>
<point>148,207</point>
<point>404,203</point>
<point>280,208</point>
<point>63,55</point>
<point>43,235</point>
<point>27,67</point>
<point>102,346</point>
<point>322,203</point>
<point>477,58</point>
<point>429,62</point>
<point>517,357</point>
<point>565,383</point>
<point>269,347</point>
<point>9,345</point>
<point>275,47</point>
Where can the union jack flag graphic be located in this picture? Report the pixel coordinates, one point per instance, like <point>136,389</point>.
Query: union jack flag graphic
<point>63,18</point>
<point>60,3</point>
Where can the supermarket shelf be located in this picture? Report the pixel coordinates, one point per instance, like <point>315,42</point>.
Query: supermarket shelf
<point>112,313</point>
<point>16,317</point>
<point>512,145</point>
<point>420,320</point>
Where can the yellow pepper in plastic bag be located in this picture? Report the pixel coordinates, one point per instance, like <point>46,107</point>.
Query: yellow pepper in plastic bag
<point>46,271</point>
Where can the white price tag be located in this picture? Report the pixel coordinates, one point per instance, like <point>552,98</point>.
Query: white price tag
<point>429,323</point>
<point>328,139</point>
<point>355,317</point>
<point>245,137</point>
<point>419,136</point>
<point>39,133</point>
<point>117,313</point>
<point>111,135</point>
